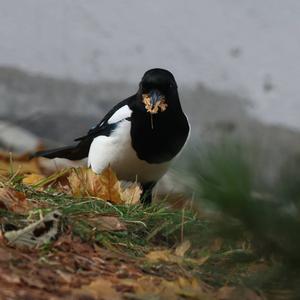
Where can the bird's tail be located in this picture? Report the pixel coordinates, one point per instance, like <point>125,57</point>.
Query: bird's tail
<point>69,152</point>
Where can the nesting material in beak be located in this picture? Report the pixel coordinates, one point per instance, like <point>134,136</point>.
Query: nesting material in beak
<point>153,106</point>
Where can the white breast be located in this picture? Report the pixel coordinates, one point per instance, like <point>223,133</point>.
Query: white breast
<point>116,150</point>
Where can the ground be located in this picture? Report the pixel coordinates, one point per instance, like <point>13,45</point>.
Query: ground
<point>106,250</point>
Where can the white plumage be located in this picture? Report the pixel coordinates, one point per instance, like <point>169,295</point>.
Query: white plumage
<point>121,114</point>
<point>116,150</point>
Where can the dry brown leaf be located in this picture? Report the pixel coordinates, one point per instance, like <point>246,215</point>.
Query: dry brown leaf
<point>153,288</point>
<point>106,223</point>
<point>101,289</point>
<point>106,186</point>
<point>4,254</point>
<point>216,244</point>
<point>190,288</point>
<point>32,179</point>
<point>163,255</point>
<point>131,194</point>
<point>66,277</point>
<point>160,104</point>
<point>78,181</point>
<point>10,278</point>
<point>183,248</point>
<point>20,167</point>
<point>18,163</point>
<point>111,185</point>
<point>169,256</point>
<point>57,180</point>
<point>84,183</point>
<point>202,260</point>
<point>13,200</point>
<point>237,293</point>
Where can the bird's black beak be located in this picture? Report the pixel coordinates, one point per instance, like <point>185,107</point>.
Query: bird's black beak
<point>155,96</point>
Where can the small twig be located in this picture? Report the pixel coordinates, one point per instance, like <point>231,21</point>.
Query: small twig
<point>151,120</point>
<point>137,222</point>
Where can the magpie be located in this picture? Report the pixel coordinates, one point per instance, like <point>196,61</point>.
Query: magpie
<point>138,137</point>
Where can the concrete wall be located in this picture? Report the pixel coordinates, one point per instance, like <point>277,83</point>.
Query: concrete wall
<point>250,48</point>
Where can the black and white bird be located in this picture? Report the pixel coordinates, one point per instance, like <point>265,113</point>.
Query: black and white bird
<point>139,137</point>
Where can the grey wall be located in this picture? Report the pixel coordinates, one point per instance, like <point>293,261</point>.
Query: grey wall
<point>250,48</point>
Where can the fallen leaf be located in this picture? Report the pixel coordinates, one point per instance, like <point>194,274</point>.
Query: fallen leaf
<point>237,293</point>
<point>131,193</point>
<point>153,109</point>
<point>32,179</point>
<point>18,163</point>
<point>111,185</point>
<point>149,287</point>
<point>101,289</point>
<point>108,223</point>
<point>34,282</point>
<point>106,186</point>
<point>183,248</point>
<point>169,256</point>
<point>13,200</point>
<point>202,260</point>
<point>216,244</point>
<point>56,179</point>
<point>66,277</point>
<point>85,183</point>
<point>163,255</point>
<point>10,278</point>
<point>5,255</point>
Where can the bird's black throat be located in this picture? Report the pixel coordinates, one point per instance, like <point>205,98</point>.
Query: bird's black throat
<point>160,139</point>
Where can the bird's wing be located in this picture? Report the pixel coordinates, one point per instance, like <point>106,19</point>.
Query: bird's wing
<point>119,112</point>
<point>76,152</point>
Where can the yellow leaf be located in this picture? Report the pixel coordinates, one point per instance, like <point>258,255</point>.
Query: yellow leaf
<point>163,255</point>
<point>105,223</point>
<point>101,289</point>
<point>153,109</point>
<point>236,293</point>
<point>149,287</point>
<point>131,194</point>
<point>19,166</point>
<point>13,200</point>
<point>183,248</point>
<point>168,256</point>
<point>18,163</point>
<point>32,179</point>
<point>106,186</point>
<point>111,186</point>
<point>84,183</point>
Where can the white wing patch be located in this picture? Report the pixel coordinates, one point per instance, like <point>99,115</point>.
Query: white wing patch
<point>121,114</point>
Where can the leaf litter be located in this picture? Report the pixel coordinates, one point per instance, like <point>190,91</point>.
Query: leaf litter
<point>36,234</point>
<point>73,267</point>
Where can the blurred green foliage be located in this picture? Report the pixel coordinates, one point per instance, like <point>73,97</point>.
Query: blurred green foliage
<point>225,177</point>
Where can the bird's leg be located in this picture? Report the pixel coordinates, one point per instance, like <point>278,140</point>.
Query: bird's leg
<point>146,197</point>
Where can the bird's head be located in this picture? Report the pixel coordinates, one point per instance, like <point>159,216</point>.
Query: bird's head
<point>157,89</point>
